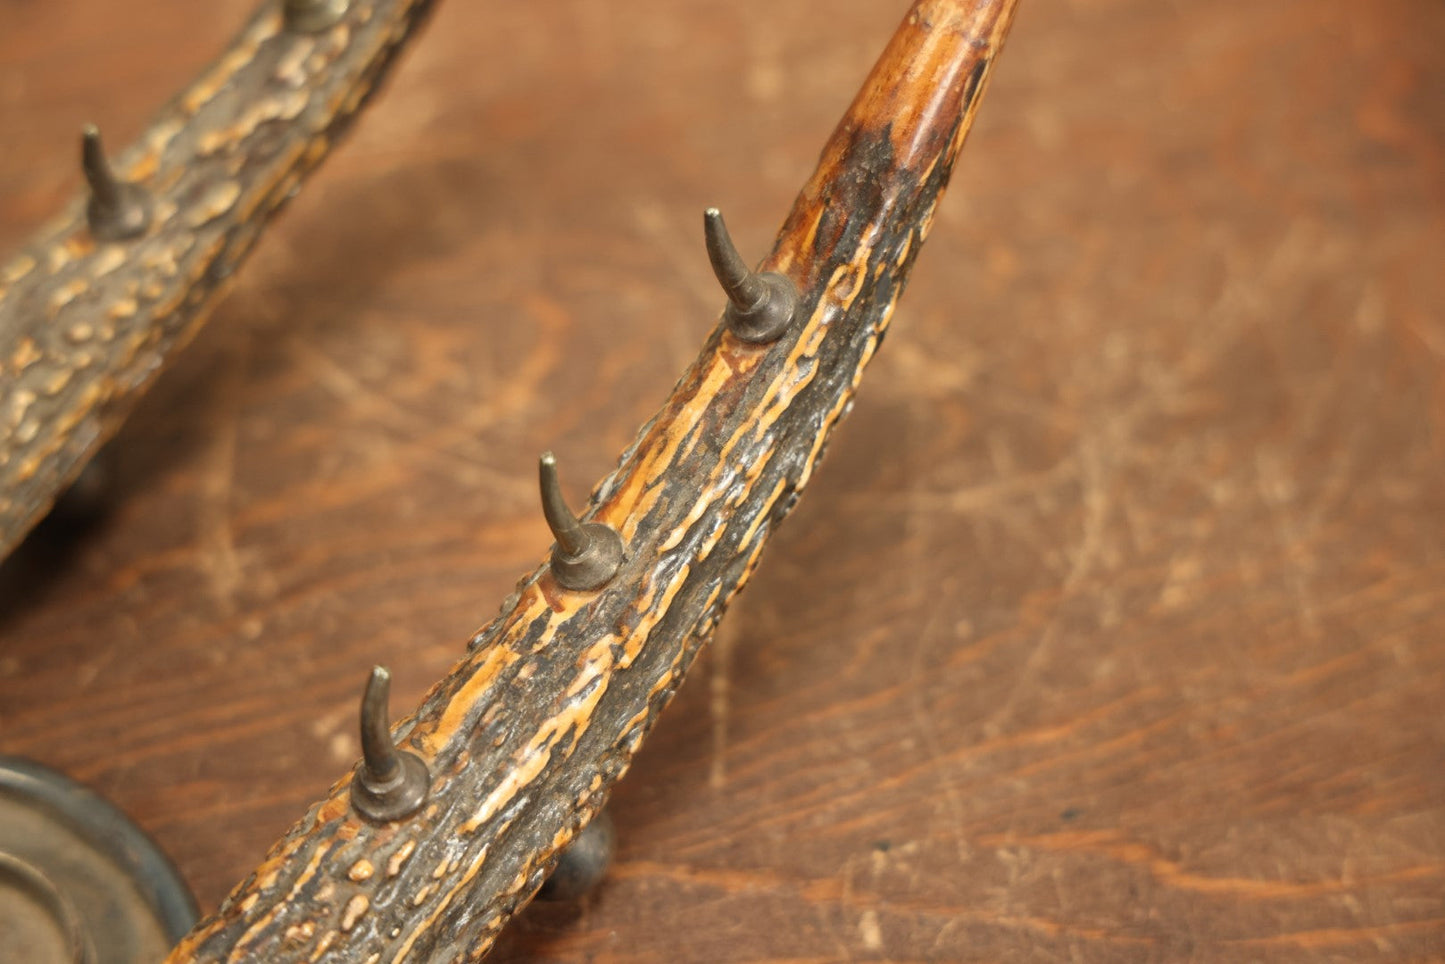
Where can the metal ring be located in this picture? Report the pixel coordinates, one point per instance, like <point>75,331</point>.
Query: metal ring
<point>28,880</point>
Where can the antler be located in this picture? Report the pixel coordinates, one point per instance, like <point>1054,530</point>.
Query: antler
<point>522,741</point>
<point>93,306</point>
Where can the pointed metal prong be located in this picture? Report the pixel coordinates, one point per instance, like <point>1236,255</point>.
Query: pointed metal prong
<point>312,16</point>
<point>760,306</point>
<point>584,863</point>
<point>743,288</point>
<point>389,783</point>
<point>586,556</point>
<point>566,529</point>
<point>379,758</point>
<point>104,188</point>
<point>117,210</point>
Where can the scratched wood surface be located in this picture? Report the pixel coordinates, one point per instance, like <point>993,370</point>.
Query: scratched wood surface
<point>1111,627</point>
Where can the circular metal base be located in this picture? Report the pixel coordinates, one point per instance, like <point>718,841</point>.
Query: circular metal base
<point>770,317</point>
<point>402,797</point>
<point>80,883</point>
<point>595,565</point>
<point>128,217</point>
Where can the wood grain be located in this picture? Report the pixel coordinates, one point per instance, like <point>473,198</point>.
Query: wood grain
<point>1110,629</point>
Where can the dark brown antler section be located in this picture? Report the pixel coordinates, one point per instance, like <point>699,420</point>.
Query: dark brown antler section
<point>91,309</point>
<point>532,727</point>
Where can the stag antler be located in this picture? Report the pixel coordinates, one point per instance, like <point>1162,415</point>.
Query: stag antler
<point>94,305</point>
<point>524,738</point>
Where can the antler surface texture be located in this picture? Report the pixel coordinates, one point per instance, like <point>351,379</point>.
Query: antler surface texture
<point>526,735</point>
<point>1113,627</point>
<point>85,322</point>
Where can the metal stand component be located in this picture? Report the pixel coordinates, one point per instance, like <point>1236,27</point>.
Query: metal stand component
<point>586,557</point>
<point>80,883</point>
<point>760,306</point>
<point>584,863</point>
<point>117,210</point>
<point>38,924</point>
<point>312,16</point>
<point>389,784</point>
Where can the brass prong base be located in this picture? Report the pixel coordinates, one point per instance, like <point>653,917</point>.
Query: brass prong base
<point>399,797</point>
<point>594,566</point>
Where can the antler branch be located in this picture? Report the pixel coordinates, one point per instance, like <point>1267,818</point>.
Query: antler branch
<point>527,734</point>
<point>96,303</point>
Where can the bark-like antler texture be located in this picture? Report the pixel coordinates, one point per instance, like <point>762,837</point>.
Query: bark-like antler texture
<point>529,731</point>
<point>94,305</point>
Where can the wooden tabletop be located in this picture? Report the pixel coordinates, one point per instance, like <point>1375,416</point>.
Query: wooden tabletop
<point>1113,626</point>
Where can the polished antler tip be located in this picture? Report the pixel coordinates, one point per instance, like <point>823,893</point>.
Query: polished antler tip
<point>760,306</point>
<point>585,557</point>
<point>389,783</point>
<point>116,210</point>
